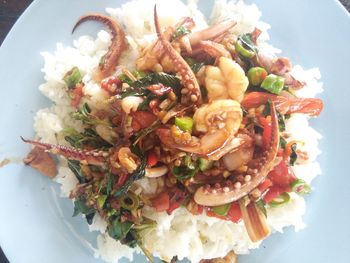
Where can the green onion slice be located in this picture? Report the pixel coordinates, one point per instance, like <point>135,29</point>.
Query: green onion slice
<point>129,201</point>
<point>72,77</point>
<point>222,209</point>
<point>281,200</point>
<point>301,187</point>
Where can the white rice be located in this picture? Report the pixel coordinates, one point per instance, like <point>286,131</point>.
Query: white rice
<point>196,237</point>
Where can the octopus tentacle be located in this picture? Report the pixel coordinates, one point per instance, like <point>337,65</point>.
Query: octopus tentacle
<point>89,157</point>
<point>216,32</point>
<point>118,45</point>
<point>191,91</point>
<point>231,191</point>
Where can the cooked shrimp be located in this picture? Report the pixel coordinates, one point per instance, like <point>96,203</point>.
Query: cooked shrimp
<point>218,120</point>
<point>227,81</point>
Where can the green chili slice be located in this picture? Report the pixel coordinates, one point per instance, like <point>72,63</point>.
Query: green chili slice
<point>256,75</point>
<point>184,123</point>
<point>273,83</point>
<point>243,51</point>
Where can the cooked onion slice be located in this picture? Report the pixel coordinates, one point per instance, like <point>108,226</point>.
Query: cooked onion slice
<point>254,220</point>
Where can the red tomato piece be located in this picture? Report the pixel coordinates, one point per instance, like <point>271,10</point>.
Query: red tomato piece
<point>266,123</point>
<point>282,175</point>
<point>233,214</point>
<point>264,185</point>
<point>161,202</point>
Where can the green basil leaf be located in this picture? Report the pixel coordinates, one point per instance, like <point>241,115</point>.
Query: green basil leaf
<point>81,207</point>
<point>74,166</point>
<point>118,230</point>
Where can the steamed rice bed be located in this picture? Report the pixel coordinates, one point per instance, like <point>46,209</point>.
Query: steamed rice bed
<point>192,237</point>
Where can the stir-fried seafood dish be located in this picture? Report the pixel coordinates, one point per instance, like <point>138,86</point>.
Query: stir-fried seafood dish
<point>197,125</point>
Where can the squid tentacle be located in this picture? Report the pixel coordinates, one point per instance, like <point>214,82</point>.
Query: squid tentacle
<point>88,157</point>
<point>118,45</point>
<point>230,191</point>
<point>191,91</point>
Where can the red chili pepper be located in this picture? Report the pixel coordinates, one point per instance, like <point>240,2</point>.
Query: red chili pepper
<point>172,207</point>
<point>152,159</point>
<point>77,94</point>
<point>122,178</point>
<point>266,123</point>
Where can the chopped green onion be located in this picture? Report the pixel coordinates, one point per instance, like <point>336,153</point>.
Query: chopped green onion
<point>101,200</point>
<point>281,200</point>
<point>184,123</point>
<point>181,31</point>
<point>186,171</point>
<point>130,201</point>
<point>300,187</point>
<point>256,75</point>
<point>204,164</point>
<point>222,209</point>
<point>244,51</point>
<point>72,78</point>
<point>273,84</point>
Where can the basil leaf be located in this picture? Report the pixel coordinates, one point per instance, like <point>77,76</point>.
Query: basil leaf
<point>81,207</point>
<point>281,122</point>
<point>283,143</point>
<point>267,108</point>
<point>293,155</point>
<point>74,166</point>
<point>194,65</point>
<point>180,31</point>
<point>119,230</point>
<point>110,183</point>
<point>136,175</point>
<point>138,87</point>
